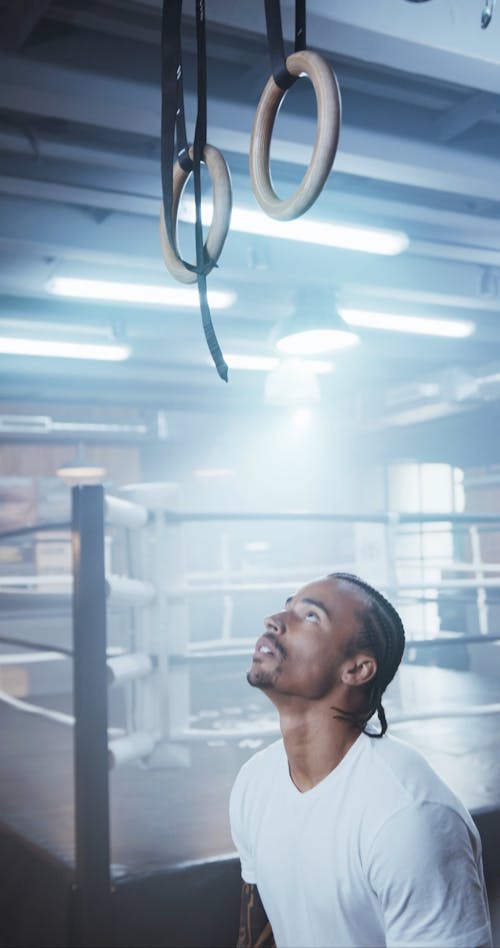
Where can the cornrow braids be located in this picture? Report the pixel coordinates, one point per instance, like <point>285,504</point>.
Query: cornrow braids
<point>383,634</point>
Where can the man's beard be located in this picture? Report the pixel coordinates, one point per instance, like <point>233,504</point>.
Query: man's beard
<point>262,677</point>
<point>259,677</point>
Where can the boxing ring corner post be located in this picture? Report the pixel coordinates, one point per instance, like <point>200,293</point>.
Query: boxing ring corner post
<point>92,834</point>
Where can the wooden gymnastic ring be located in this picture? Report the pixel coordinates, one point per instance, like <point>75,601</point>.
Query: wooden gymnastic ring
<point>327,136</point>
<point>222,203</point>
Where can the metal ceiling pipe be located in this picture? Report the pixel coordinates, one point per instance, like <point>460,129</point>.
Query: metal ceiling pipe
<point>44,425</point>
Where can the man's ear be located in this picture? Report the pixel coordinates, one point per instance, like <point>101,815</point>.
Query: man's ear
<point>358,670</point>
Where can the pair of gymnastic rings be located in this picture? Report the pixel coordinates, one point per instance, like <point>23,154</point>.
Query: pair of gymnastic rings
<point>302,62</point>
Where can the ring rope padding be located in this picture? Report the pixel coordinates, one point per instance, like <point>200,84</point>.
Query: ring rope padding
<point>222,205</point>
<point>327,136</point>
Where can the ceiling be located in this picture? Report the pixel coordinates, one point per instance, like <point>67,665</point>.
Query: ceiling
<point>80,190</point>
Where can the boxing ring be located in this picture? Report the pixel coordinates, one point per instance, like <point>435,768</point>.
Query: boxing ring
<point>123,723</point>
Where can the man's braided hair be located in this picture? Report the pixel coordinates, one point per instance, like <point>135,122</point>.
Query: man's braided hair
<point>382,634</point>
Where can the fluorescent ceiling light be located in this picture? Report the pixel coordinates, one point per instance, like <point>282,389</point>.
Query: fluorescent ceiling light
<point>314,341</point>
<point>248,221</point>
<point>137,292</point>
<point>254,363</point>
<point>9,345</point>
<point>424,325</point>
<point>251,363</point>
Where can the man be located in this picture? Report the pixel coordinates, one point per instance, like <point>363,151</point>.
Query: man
<point>346,836</point>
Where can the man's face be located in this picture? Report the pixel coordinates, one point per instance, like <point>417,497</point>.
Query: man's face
<point>305,644</point>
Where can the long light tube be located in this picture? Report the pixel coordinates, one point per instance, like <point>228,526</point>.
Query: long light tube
<point>255,363</point>
<point>137,292</point>
<point>248,221</point>
<point>422,325</point>
<point>315,341</point>
<point>10,345</point>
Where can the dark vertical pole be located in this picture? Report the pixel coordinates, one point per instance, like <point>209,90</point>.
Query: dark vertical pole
<point>91,718</point>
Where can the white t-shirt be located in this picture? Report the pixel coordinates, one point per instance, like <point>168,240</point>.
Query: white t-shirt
<point>379,853</point>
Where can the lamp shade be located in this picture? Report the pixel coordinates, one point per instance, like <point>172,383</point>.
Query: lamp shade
<point>315,327</point>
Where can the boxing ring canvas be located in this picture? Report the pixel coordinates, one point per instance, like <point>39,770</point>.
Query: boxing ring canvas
<point>174,877</point>
<point>175,880</point>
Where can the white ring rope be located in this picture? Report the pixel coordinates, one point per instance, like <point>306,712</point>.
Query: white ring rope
<point>58,716</point>
<point>327,92</point>
<point>431,714</point>
<point>268,728</point>
<point>206,589</point>
<point>30,658</point>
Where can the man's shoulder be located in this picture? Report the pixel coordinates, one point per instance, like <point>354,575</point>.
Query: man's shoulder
<point>255,777</point>
<point>405,793</point>
<point>400,760</point>
<point>262,761</point>
<point>401,767</point>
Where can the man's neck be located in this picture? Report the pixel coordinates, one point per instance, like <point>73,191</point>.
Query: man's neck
<point>315,742</point>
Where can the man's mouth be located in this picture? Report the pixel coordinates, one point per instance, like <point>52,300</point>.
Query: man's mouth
<point>268,646</point>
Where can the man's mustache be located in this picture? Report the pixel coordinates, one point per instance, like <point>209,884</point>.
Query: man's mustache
<point>272,637</point>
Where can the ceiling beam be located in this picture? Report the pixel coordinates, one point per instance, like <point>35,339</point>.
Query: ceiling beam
<point>341,204</point>
<point>465,115</point>
<point>440,41</point>
<point>18,20</point>
<point>115,23</point>
<point>40,146</point>
<point>132,108</point>
<point>455,246</point>
<point>131,248</point>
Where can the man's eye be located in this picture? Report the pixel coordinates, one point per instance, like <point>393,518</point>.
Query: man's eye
<point>312,617</point>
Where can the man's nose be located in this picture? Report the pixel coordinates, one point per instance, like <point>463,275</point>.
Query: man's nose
<point>275,624</point>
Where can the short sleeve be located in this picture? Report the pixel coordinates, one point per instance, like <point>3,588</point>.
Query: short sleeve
<point>240,828</point>
<point>425,870</point>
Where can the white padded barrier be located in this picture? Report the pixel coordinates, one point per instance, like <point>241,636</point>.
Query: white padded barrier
<point>128,667</point>
<point>134,746</point>
<point>124,513</point>
<point>131,592</point>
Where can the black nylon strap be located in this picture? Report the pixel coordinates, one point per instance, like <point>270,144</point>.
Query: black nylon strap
<point>200,135</point>
<point>171,70</point>
<point>282,77</point>
<point>180,126</point>
<point>173,124</point>
<point>173,121</point>
<point>300,25</point>
<point>200,140</point>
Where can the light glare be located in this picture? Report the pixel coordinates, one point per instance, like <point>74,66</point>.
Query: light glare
<point>73,474</point>
<point>365,239</point>
<point>213,472</point>
<point>256,546</point>
<point>252,363</point>
<point>314,341</point>
<point>450,328</point>
<point>301,418</point>
<point>255,363</point>
<point>9,345</point>
<point>137,292</point>
<point>292,384</point>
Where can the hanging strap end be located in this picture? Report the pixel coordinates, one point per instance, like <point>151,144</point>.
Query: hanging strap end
<point>223,371</point>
